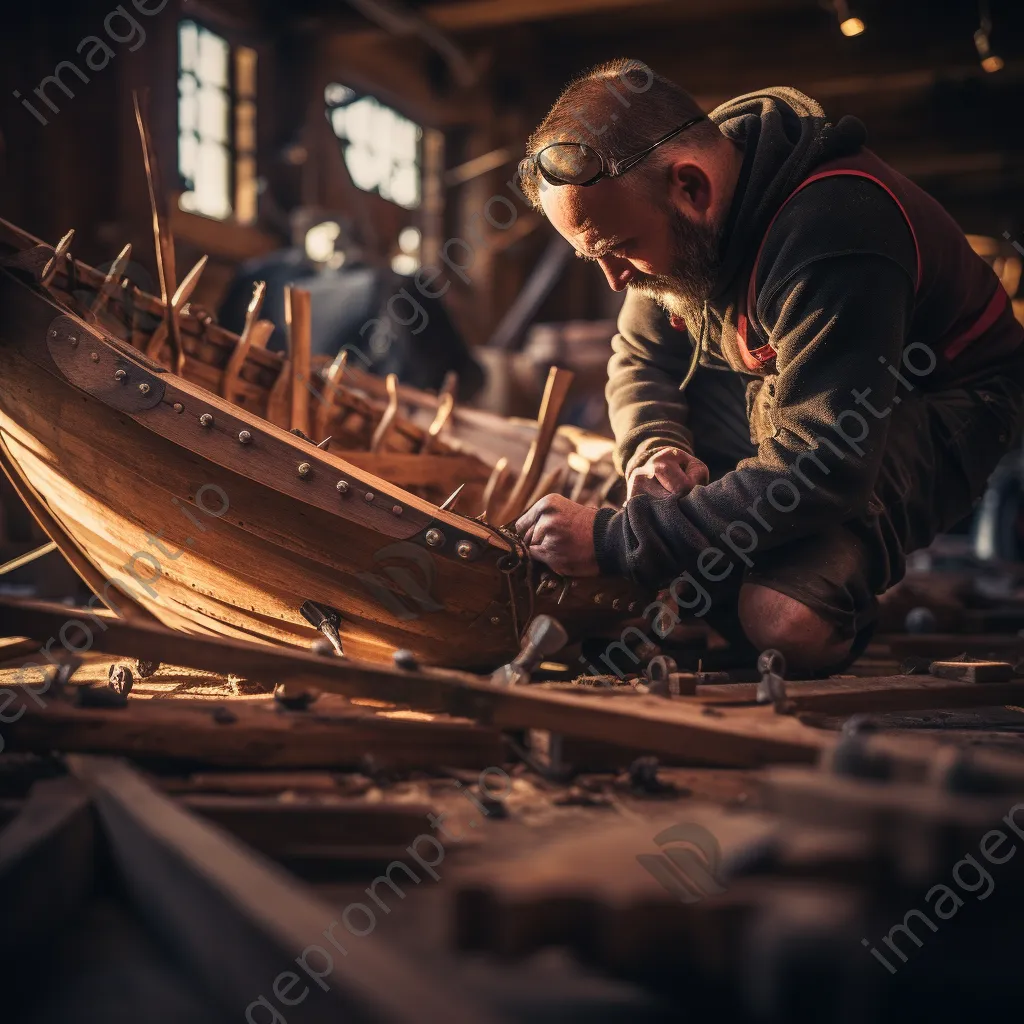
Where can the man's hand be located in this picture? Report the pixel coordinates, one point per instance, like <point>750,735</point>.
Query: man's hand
<point>667,471</point>
<point>560,533</point>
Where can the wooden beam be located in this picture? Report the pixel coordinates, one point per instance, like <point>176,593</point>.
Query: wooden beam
<point>237,922</point>
<point>476,14</point>
<point>741,737</point>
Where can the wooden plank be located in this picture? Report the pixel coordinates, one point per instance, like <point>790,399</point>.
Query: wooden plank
<point>973,671</point>
<point>878,694</point>
<point>681,727</point>
<point>949,645</point>
<point>238,922</point>
<point>47,865</point>
<point>311,829</point>
<point>252,735</point>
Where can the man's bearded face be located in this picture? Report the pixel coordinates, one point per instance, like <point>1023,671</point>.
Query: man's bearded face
<point>695,261</point>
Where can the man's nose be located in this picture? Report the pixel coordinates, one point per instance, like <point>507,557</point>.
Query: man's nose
<point>618,272</point>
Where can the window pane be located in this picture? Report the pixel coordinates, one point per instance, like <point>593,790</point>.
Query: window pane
<point>188,45</point>
<point>213,59</point>
<point>213,114</point>
<point>213,181</point>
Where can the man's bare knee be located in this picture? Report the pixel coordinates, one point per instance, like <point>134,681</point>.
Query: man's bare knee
<point>772,619</point>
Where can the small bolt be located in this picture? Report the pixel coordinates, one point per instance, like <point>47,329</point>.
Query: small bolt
<point>244,437</point>
<point>94,356</point>
<point>178,407</point>
<point>598,598</point>
<point>304,468</point>
<point>342,486</point>
<point>119,375</point>
<point>143,388</point>
<point>434,537</point>
<point>206,420</point>
<point>74,340</point>
<point>396,509</point>
<point>632,606</point>
<point>53,334</point>
<point>368,496</point>
<point>616,604</point>
<point>465,549</point>
<point>495,620</point>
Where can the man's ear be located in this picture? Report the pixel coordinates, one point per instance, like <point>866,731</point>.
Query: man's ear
<point>689,187</point>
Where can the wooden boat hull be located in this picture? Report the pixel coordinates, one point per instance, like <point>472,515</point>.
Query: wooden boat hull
<point>209,534</point>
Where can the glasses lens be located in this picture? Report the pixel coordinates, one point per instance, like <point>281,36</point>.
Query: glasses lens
<point>570,162</point>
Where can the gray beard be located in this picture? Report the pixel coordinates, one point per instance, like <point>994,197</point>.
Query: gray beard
<point>696,259</point>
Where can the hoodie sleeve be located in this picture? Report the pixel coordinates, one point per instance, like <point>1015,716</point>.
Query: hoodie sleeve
<point>837,315</point>
<point>645,406</point>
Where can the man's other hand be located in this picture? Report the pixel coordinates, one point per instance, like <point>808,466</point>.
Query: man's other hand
<point>560,533</point>
<point>667,471</point>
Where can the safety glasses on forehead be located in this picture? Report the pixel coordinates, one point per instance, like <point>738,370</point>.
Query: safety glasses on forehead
<point>576,163</point>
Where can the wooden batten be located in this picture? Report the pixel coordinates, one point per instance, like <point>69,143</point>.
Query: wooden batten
<point>299,318</point>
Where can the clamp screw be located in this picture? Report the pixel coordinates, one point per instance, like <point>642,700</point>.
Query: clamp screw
<point>178,407</point>
<point>342,486</point>
<point>244,437</point>
<point>120,375</point>
<point>143,388</point>
<point>206,420</point>
<point>304,468</point>
<point>434,537</point>
<point>465,549</point>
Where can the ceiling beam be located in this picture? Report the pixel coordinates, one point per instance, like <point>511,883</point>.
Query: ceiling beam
<point>474,14</point>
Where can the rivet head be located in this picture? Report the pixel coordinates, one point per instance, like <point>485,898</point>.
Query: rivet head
<point>143,388</point>
<point>304,469</point>
<point>368,496</point>
<point>396,510</point>
<point>120,375</point>
<point>178,407</point>
<point>616,604</point>
<point>244,437</point>
<point>53,334</point>
<point>434,537</point>
<point>94,356</point>
<point>73,339</point>
<point>632,606</point>
<point>342,486</point>
<point>465,549</point>
<point>495,620</point>
<point>598,598</point>
<point>206,420</point>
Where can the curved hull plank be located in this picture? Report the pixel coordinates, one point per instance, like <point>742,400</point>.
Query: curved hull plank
<point>222,522</point>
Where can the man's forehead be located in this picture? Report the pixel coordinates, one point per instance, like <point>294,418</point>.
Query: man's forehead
<point>584,219</point>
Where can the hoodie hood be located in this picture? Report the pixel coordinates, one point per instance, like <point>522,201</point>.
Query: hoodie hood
<point>784,135</point>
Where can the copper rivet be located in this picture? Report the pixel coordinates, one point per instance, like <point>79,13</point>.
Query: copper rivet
<point>94,356</point>
<point>178,407</point>
<point>434,537</point>
<point>495,621</point>
<point>304,468</point>
<point>144,388</point>
<point>206,420</point>
<point>342,486</point>
<point>598,598</point>
<point>397,509</point>
<point>464,549</point>
<point>368,496</point>
<point>244,436</point>
<point>119,375</point>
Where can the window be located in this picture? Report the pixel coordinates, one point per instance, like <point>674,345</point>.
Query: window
<point>216,125</point>
<point>382,148</point>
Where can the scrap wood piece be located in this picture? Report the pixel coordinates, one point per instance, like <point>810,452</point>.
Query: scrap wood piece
<point>247,734</point>
<point>47,864</point>
<point>740,737</point>
<point>237,922</point>
<point>973,671</point>
<point>878,693</point>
